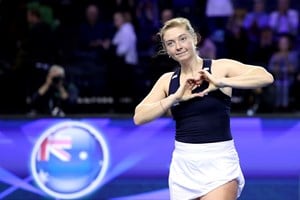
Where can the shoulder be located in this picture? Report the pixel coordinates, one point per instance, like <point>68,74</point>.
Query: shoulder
<point>224,62</point>
<point>228,67</point>
<point>218,67</point>
<point>166,77</point>
<point>164,80</point>
<point>162,84</point>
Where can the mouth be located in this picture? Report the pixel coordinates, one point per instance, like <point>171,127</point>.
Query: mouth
<point>181,53</point>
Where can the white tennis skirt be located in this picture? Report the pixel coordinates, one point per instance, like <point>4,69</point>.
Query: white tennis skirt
<point>197,169</point>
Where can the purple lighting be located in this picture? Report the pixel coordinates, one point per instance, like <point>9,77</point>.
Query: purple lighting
<point>268,147</point>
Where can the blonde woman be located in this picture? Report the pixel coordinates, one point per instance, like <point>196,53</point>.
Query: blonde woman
<point>205,164</point>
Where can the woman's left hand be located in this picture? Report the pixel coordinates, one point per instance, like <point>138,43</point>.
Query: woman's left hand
<point>214,84</point>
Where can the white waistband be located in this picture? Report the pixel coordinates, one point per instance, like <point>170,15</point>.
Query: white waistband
<point>189,148</point>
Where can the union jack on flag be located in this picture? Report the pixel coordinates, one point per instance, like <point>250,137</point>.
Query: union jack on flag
<point>55,145</point>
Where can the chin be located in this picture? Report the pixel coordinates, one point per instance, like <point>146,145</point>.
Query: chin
<point>183,58</point>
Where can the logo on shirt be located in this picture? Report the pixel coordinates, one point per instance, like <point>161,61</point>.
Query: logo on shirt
<point>175,76</point>
<point>69,160</point>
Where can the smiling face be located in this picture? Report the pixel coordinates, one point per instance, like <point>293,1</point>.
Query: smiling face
<point>179,39</point>
<point>179,43</point>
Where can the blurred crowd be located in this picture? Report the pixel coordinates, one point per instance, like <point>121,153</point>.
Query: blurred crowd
<point>62,57</point>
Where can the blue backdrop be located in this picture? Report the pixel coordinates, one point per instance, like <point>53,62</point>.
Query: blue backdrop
<point>268,147</point>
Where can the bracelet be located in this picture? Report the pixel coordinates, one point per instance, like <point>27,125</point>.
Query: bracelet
<point>162,106</point>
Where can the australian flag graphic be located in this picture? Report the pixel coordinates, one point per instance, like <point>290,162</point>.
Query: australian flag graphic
<point>68,160</point>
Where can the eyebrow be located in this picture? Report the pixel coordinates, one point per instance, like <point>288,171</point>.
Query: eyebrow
<point>184,34</point>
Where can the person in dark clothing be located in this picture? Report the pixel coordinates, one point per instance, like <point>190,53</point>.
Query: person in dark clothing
<point>54,96</point>
<point>205,163</point>
<point>35,53</point>
<point>93,35</point>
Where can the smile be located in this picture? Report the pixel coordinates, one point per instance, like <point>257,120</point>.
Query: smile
<point>181,53</point>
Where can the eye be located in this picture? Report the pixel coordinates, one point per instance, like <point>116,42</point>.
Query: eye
<point>169,43</point>
<point>183,38</point>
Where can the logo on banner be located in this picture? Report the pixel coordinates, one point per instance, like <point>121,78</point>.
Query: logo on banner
<point>69,160</point>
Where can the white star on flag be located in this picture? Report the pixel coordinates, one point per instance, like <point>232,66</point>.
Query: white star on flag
<point>43,176</point>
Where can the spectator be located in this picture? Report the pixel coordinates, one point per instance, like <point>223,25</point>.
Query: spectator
<point>93,35</point>
<point>124,59</point>
<point>147,11</point>
<point>148,21</point>
<point>208,49</point>
<point>128,7</point>
<point>125,39</point>
<point>264,49</point>
<point>256,20</point>
<point>236,40</point>
<point>235,47</point>
<point>218,13</point>
<point>283,66</point>
<point>261,99</point>
<point>284,20</point>
<point>54,96</point>
<point>36,51</point>
<point>166,14</point>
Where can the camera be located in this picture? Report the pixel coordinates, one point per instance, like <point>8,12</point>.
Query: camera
<point>57,79</point>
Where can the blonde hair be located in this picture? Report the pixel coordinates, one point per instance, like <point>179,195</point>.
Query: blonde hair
<point>57,68</point>
<point>176,22</point>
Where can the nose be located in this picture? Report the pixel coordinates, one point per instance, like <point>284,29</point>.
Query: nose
<point>178,46</point>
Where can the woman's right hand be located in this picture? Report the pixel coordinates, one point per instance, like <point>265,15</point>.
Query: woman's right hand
<point>184,92</point>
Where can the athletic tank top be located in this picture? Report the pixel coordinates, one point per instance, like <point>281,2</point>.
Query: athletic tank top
<point>201,119</point>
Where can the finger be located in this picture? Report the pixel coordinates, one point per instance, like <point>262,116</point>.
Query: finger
<point>206,74</point>
<point>190,82</point>
<point>194,86</point>
<point>193,82</point>
<point>198,81</point>
<point>204,92</point>
<point>203,76</point>
<point>195,95</point>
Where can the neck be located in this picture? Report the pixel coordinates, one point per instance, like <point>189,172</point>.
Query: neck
<point>191,67</point>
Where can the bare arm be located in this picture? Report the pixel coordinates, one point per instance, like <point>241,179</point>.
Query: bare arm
<point>156,103</point>
<point>44,88</point>
<point>236,75</point>
<point>245,76</point>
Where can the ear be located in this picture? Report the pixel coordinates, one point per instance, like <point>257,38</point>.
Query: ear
<point>195,39</point>
<point>168,55</point>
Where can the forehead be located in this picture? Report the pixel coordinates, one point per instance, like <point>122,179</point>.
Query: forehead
<point>174,32</point>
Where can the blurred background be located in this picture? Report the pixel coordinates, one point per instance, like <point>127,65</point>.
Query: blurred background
<point>93,61</point>
<point>109,70</point>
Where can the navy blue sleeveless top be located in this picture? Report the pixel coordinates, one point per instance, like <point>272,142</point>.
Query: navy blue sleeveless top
<point>201,119</point>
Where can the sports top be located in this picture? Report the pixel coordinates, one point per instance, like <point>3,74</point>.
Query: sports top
<point>201,119</point>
